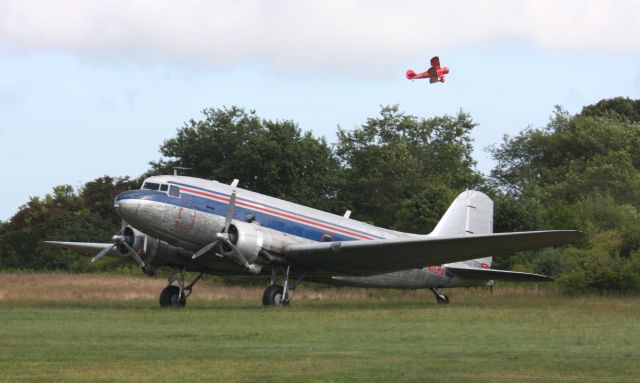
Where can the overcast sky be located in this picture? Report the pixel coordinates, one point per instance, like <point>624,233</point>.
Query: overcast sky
<point>89,88</point>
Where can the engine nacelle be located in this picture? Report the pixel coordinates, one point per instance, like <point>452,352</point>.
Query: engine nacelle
<point>247,237</point>
<point>152,251</point>
<point>133,238</point>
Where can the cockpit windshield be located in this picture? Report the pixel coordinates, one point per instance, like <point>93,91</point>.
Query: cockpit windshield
<point>172,190</point>
<point>151,186</point>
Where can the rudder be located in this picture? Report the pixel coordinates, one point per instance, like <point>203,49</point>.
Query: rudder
<point>470,213</point>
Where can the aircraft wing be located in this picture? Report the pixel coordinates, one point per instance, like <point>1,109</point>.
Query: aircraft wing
<point>497,275</point>
<point>435,62</point>
<point>387,255</point>
<point>84,246</point>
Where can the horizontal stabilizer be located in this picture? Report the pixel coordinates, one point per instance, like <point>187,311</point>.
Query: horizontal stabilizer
<point>497,275</point>
<point>387,255</point>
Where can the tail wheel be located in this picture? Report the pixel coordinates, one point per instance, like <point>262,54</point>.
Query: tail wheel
<point>442,300</point>
<point>170,297</point>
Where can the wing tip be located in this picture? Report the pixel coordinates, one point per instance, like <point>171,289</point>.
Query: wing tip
<point>573,235</point>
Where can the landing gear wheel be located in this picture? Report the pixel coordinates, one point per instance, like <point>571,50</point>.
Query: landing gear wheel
<point>169,297</point>
<point>274,296</point>
<point>442,299</point>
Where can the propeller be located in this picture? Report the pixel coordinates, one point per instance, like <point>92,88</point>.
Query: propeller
<point>114,239</point>
<point>120,240</point>
<point>223,236</point>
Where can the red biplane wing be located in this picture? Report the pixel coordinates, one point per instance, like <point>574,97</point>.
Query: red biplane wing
<point>435,62</point>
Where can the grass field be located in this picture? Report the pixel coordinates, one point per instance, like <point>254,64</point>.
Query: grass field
<point>94,328</point>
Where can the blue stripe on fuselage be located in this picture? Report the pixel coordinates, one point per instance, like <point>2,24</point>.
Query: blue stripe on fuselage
<point>210,206</point>
<point>278,209</point>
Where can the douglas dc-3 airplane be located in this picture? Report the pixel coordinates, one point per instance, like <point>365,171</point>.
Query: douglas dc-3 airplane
<point>192,224</point>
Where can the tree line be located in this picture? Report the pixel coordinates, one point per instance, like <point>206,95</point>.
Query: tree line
<point>395,170</point>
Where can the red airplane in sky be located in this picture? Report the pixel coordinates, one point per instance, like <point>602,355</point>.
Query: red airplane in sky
<point>434,74</point>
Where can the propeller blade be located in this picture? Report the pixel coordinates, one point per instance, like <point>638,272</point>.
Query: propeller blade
<point>102,253</point>
<point>123,225</point>
<point>242,261</point>
<point>205,249</point>
<point>230,211</point>
<point>223,235</point>
<point>237,254</point>
<point>134,255</point>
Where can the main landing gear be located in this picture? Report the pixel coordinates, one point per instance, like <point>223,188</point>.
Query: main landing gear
<point>274,295</point>
<point>176,296</point>
<point>278,295</point>
<point>441,299</point>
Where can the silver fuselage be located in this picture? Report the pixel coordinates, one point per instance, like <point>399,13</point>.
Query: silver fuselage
<point>191,218</point>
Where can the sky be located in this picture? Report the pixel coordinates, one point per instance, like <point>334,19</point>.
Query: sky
<point>93,88</point>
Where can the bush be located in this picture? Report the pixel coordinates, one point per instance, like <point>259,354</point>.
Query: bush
<point>601,268</point>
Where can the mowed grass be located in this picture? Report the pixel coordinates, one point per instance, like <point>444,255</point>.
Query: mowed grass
<point>85,329</point>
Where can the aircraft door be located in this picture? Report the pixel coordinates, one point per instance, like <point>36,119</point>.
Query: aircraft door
<point>186,216</point>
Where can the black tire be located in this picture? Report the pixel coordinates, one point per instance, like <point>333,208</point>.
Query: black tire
<point>444,300</point>
<point>169,297</point>
<point>273,296</point>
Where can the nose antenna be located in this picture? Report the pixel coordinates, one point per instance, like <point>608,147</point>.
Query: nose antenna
<point>178,169</point>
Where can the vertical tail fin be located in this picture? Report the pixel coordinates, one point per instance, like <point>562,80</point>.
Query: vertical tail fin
<point>470,213</point>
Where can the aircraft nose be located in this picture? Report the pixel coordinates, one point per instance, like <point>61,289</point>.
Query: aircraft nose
<point>126,204</point>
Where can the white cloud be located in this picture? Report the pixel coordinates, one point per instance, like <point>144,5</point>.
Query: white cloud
<point>326,35</point>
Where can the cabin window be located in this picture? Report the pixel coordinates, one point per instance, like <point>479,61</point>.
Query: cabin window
<point>164,187</point>
<point>326,237</point>
<point>151,186</point>
<point>174,191</point>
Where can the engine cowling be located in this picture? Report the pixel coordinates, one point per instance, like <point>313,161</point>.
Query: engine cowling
<point>133,238</point>
<point>248,239</point>
<point>152,251</point>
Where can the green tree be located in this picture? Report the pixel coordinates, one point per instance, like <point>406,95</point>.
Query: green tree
<point>63,215</point>
<point>571,158</point>
<point>600,267</point>
<point>620,108</point>
<point>398,166</point>
<point>270,157</point>
<point>580,172</point>
<point>98,195</point>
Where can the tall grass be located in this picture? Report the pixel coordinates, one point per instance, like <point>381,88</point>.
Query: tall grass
<point>69,287</point>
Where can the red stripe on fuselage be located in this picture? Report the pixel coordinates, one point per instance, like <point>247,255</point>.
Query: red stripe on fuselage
<point>274,212</point>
